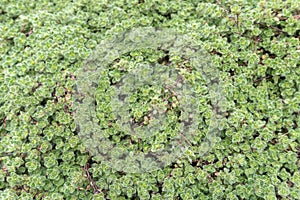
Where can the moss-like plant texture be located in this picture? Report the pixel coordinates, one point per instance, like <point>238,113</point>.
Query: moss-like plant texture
<point>255,45</point>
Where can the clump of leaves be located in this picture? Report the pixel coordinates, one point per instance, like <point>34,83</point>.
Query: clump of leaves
<point>255,45</point>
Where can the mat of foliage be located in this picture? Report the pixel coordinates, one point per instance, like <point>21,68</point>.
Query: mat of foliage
<point>254,44</point>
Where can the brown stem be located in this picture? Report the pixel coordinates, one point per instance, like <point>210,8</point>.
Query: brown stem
<point>92,182</point>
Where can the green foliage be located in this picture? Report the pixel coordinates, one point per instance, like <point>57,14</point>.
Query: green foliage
<point>254,44</point>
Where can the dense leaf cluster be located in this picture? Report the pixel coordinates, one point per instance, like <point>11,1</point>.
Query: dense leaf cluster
<point>147,116</point>
<point>254,44</point>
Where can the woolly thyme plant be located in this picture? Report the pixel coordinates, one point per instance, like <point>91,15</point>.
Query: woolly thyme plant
<point>253,44</point>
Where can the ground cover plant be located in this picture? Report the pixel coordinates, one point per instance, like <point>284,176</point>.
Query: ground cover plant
<point>255,46</point>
